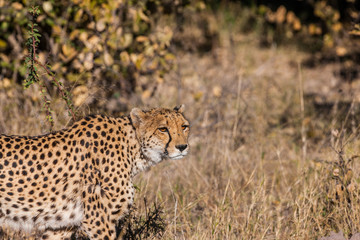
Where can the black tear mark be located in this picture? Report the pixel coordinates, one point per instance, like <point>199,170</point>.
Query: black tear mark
<point>167,145</point>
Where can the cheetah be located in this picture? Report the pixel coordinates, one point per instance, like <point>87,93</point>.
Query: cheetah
<point>80,178</point>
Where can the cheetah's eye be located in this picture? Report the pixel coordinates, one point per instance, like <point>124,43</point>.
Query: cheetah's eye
<point>184,127</point>
<point>163,129</point>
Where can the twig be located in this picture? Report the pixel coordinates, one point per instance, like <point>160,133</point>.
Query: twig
<point>33,77</point>
<point>31,60</point>
<point>302,109</point>
<point>64,94</point>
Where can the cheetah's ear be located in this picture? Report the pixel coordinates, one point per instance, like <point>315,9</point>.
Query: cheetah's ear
<point>180,108</point>
<point>137,116</point>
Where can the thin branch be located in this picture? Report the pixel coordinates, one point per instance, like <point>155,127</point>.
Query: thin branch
<point>59,86</point>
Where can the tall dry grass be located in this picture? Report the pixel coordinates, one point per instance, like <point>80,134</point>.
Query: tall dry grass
<point>247,176</point>
<point>264,164</point>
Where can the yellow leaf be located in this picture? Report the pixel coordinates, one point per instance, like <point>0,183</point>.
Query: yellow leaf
<point>143,16</point>
<point>201,5</point>
<point>142,39</point>
<point>126,40</point>
<point>83,36</point>
<point>133,57</point>
<point>91,25</point>
<point>149,51</point>
<point>328,41</point>
<point>72,77</point>
<point>169,56</point>
<point>290,16</point>
<point>89,61</point>
<point>56,66</point>
<point>318,30</point>
<point>47,6</point>
<point>56,29</point>
<point>74,34</point>
<point>337,27</point>
<point>280,14</point>
<point>78,65</point>
<point>67,50</point>
<point>17,6</point>
<point>341,51</point>
<point>154,64</point>
<point>312,29</point>
<point>99,61</point>
<point>198,95</point>
<point>78,15</point>
<point>41,18</point>
<point>125,58</point>
<point>100,25</point>
<point>138,63</point>
<point>336,16</point>
<point>92,42</point>
<point>355,32</point>
<point>165,36</point>
<point>3,44</point>
<point>108,59</point>
<point>80,94</point>
<point>297,24</point>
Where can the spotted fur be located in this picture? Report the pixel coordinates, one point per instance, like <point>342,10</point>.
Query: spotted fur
<point>81,177</point>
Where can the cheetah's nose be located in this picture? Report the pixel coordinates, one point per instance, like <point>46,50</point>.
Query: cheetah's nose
<point>181,147</point>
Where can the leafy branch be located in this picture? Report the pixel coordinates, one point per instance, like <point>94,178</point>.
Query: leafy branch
<point>32,64</point>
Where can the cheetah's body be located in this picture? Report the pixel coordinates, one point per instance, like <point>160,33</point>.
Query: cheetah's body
<point>82,176</point>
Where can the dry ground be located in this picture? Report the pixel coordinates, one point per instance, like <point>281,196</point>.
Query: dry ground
<point>262,164</point>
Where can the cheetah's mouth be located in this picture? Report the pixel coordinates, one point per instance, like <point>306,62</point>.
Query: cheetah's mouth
<point>177,157</point>
<point>173,155</point>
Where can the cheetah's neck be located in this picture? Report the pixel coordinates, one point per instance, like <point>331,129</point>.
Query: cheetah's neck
<point>140,161</point>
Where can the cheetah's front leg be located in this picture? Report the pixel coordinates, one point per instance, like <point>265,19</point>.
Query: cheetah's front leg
<point>97,222</point>
<point>99,226</point>
<point>62,234</point>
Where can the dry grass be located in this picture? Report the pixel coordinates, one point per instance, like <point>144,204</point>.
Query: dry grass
<point>248,175</point>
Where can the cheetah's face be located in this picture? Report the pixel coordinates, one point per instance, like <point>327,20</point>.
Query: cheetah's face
<point>162,133</point>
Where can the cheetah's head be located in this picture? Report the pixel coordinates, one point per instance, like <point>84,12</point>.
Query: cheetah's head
<point>162,133</point>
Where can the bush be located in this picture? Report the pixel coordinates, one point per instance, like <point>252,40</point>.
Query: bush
<point>91,45</point>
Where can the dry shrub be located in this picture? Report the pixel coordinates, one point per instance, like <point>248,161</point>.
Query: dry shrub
<point>148,226</point>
